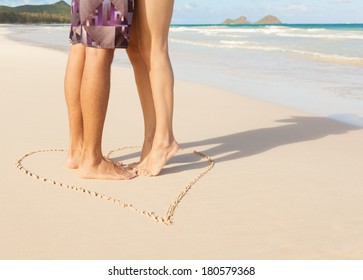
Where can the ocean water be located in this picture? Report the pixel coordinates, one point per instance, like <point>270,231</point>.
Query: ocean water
<point>313,67</point>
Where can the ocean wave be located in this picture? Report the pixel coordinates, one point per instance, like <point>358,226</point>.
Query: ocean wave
<point>333,58</point>
<point>235,36</point>
<point>181,29</point>
<point>195,43</point>
<point>324,36</point>
<point>237,43</point>
<point>253,46</point>
<point>222,30</point>
<point>59,27</point>
<point>281,31</point>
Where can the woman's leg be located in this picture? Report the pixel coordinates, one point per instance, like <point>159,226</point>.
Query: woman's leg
<point>142,79</point>
<point>95,91</point>
<point>72,87</point>
<point>153,26</point>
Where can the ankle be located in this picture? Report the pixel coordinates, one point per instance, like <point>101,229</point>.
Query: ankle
<point>75,151</point>
<point>148,141</point>
<point>75,146</point>
<point>91,158</point>
<point>164,144</point>
<point>149,135</point>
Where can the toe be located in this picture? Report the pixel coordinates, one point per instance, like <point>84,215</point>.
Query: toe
<point>146,173</point>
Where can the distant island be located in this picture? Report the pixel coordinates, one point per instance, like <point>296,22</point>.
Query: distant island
<point>53,13</point>
<point>59,12</point>
<point>243,20</point>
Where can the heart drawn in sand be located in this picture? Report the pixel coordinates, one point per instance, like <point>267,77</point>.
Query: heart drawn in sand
<point>167,219</point>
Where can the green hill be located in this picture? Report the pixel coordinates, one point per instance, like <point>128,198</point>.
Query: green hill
<point>52,13</point>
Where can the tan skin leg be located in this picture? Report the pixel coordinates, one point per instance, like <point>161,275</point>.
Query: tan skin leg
<point>92,103</point>
<point>152,22</point>
<point>72,86</point>
<point>142,79</point>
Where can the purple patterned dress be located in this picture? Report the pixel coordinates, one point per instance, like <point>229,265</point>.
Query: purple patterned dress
<point>101,23</point>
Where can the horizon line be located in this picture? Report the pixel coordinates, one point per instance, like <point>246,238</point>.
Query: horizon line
<point>283,23</point>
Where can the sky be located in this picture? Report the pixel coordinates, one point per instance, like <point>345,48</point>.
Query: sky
<point>288,11</point>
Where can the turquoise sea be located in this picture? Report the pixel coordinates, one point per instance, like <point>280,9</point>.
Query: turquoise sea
<point>317,68</point>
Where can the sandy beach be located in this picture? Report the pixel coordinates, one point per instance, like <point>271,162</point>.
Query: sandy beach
<point>286,184</point>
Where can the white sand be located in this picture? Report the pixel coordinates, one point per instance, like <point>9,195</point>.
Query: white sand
<point>286,184</point>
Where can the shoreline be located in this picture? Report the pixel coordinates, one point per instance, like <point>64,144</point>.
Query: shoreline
<point>342,107</point>
<point>282,179</point>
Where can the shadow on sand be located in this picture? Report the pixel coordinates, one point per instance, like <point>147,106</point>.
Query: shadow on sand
<point>248,143</point>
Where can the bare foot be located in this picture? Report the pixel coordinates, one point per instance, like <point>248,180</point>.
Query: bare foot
<point>135,165</point>
<point>105,170</point>
<point>73,158</point>
<point>146,148</point>
<point>157,158</point>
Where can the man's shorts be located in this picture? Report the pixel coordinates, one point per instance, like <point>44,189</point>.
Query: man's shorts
<point>101,23</point>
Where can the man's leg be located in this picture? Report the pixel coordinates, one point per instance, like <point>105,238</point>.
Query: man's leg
<point>72,87</point>
<point>95,92</point>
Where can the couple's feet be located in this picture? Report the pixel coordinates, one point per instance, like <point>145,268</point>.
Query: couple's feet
<point>102,169</point>
<point>152,161</point>
<point>154,158</point>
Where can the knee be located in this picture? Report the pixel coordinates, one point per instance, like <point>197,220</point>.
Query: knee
<point>139,53</point>
<point>77,49</point>
<point>134,53</point>
<point>155,54</point>
<point>104,56</point>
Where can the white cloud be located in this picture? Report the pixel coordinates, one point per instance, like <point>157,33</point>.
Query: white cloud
<point>190,6</point>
